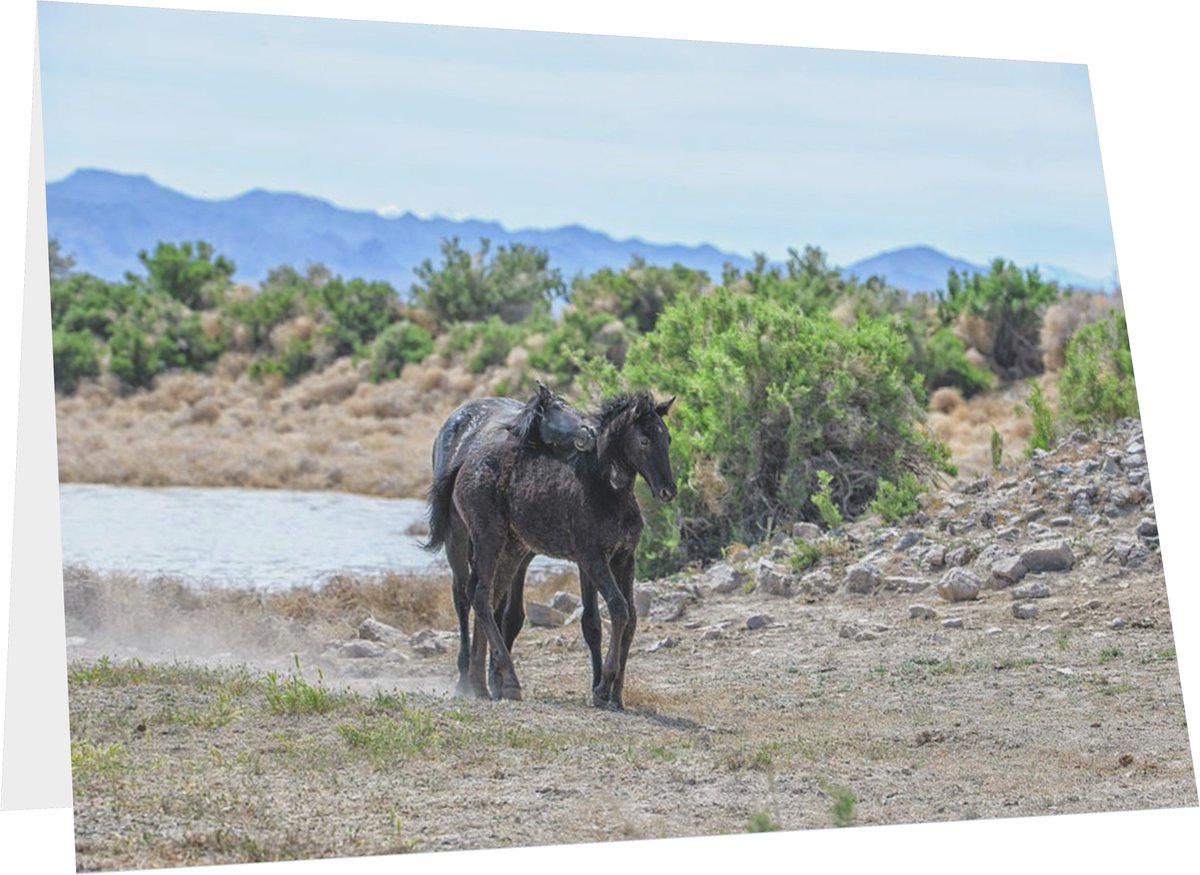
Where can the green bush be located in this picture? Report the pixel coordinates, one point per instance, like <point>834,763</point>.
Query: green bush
<point>191,274</point>
<point>513,284</point>
<point>486,343</point>
<point>132,358</point>
<point>636,295</point>
<point>397,345</point>
<point>75,358</point>
<point>1011,303</point>
<point>272,305</point>
<point>82,302</point>
<point>1096,384</point>
<point>768,397</point>
<point>895,501</point>
<point>360,311</point>
<point>1045,435</point>
<point>577,336</point>
<point>183,344</point>
<point>941,359</point>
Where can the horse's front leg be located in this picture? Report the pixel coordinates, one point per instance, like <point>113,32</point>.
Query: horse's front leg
<point>622,567</point>
<point>589,624</point>
<point>619,612</point>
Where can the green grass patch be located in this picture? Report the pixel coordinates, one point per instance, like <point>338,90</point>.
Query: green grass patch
<point>1108,654</point>
<point>295,695</point>
<point>842,807</point>
<point>90,760</point>
<point>389,740</point>
<point>760,821</point>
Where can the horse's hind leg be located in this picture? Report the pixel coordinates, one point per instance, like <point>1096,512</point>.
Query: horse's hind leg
<point>510,617</point>
<point>492,565</point>
<point>458,555</point>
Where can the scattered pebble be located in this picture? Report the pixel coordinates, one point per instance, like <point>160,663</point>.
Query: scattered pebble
<point>1025,611</point>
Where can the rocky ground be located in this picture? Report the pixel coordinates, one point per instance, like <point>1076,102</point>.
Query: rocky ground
<point>1006,651</point>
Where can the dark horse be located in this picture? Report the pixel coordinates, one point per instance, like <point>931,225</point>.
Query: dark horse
<point>544,424</point>
<point>514,503</point>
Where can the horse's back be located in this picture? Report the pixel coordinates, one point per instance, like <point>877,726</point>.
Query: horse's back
<point>466,422</point>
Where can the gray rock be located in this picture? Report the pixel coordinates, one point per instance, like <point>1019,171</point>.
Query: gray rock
<point>1033,590</point>
<point>960,555</point>
<point>905,584</point>
<point>758,621</point>
<point>1111,468</point>
<point>907,540</point>
<point>427,642</point>
<point>662,644</point>
<point>934,557</point>
<point>544,615</point>
<point>1052,555</point>
<point>1117,623</point>
<point>863,577</point>
<point>669,607</point>
<point>1007,571</point>
<point>819,582</point>
<point>952,623</point>
<point>1147,528</point>
<point>959,585</point>
<point>361,649</point>
<point>1025,611</point>
<point>711,633</point>
<point>641,604</point>
<point>771,579</point>
<point>564,601</point>
<point>806,532</point>
<point>921,612</point>
<point>371,629</point>
<point>730,580</point>
<point>1061,522</point>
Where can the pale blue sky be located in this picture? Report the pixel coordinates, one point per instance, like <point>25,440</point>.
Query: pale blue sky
<point>750,148</point>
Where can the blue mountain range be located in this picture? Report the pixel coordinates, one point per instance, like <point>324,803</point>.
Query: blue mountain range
<point>103,219</point>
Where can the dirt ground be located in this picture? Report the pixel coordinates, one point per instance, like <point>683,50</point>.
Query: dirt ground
<point>794,725</point>
<point>1006,650</point>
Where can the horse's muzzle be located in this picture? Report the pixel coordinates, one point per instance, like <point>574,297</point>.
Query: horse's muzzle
<point>587,442</point>
<point>667,493</point>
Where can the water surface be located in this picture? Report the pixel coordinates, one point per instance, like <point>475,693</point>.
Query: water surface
<point>274,539</point>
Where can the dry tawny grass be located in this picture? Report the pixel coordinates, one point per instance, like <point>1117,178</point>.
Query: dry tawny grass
<point>966,425</point>
<point>330,430</point>
<point>167,614</point>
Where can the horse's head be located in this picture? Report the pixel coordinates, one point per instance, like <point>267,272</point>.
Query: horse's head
<point>549,421</point>
<point>633,434</point>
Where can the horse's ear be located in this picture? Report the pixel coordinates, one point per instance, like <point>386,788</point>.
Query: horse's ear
<point>645,403</point>
<point>543,393</point>
<point>665,406</point>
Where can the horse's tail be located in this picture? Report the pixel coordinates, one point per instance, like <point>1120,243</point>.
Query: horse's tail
<point>441,503</point>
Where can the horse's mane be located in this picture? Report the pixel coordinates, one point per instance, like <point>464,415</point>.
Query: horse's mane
<point>613,407</point>
<point>524,428</point>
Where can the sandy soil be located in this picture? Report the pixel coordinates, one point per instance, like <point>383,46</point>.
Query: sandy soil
<point>841,708</point>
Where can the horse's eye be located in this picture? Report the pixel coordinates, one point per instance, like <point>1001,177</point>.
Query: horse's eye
<point>644,441</point>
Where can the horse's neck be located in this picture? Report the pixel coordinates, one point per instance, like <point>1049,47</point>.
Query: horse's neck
<point>618,477</point>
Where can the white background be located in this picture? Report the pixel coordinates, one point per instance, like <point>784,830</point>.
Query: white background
<point>1143,69</point>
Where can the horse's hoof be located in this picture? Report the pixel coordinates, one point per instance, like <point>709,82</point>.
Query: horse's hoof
<point>615,704</point>
<point>511,693</point>
<point>598,700</point>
